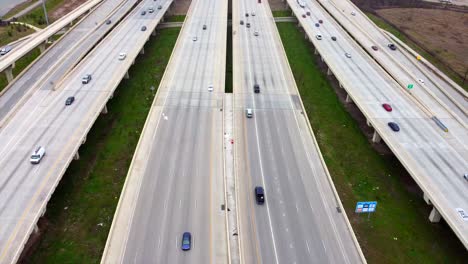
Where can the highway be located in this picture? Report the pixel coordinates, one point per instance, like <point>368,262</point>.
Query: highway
<point>435,159</point>
<point>440,98</point>
<point>175,182</point>
<point>11,57</point>
<point>302,220</point>
<point>25,188</point>
<point>46,72</point>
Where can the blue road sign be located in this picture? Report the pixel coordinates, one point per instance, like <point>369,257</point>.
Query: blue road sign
<point>365,207</point>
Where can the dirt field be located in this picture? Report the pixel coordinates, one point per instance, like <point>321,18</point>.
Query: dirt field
<point>65,8</point>
<point>442,33</point>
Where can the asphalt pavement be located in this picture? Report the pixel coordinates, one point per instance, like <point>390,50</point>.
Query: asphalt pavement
<point>302,220</point>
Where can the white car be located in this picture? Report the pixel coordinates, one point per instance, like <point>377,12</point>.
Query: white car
<point>353,13</point>
<point>301,3</point>
<point>256,33</point>
<point>319,37</point>
<point>348,55</point>
<point>252,14</point>
<point>210,88</point>
<point>37,155</point>
<point>122,56</point>
<point>150,10</point>
<point>421,81</point>
<point>194,38</point>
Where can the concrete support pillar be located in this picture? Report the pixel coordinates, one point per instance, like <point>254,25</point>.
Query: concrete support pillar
<point>299,25</point>
<point>104,110</point>
<point>9,74</point>
<point>42,47</point>
<point>315,51</point>
<point>127,75</point>
<point>348,99</point>
<point>162,18</point>
<point>426,199</point>
<point>36,229</point>
<point>84,141</point>
<point>133,62</point>
<point>111,96</point>
<point>142,51</point>
<point>321,57</point>
<point>77,156</point>
<point>435,216</point>
<point>341,86</point>
<point>376,137</point>
<point>368,123</point>
<point>154,32</point>
<point>329,72</point>
<point>305,36</point>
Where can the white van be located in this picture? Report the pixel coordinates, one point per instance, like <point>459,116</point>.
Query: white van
<point>301,3</point>
<point>249,112</point>
<point>37,155</point>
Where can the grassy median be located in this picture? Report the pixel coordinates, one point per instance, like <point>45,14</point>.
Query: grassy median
<point>80,212</point>
<point>399,232</point>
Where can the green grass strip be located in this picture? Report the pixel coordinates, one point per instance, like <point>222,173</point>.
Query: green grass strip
<point>399,232</point>
<point>81,210</point>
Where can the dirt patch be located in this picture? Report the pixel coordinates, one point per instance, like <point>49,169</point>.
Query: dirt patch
<point>65,8</point>
<point>444,34</point>
<point>179,7</point>
<point>278,5</point>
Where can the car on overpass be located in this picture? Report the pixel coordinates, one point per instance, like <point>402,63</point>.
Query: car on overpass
<point>4,50</point>
<point>37,155</point>
<point>387,107</point>
<point>394,126</point>
<point>256,88</point>
<point>86,79</point>
<point>249,112</point>
<point>392,46</point>
<point>70,100</point>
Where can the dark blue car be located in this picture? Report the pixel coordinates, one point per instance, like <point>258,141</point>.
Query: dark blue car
<point>186,241</point>
<point>394,126</point>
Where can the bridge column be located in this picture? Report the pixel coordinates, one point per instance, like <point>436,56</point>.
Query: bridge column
<point>435,216</point>
<point>142,51</point>
<point>341,86</point>
<point>305,36</point>
<point>9,73</point>
<point>315,51</point>
<point>83,141</point>
<point>368,123</point>
<point>329,72</point>
<point>42,47</point>
<point>127,75</point>
<point>154,32</point>
<point>104,110</point>
<point>376,137</point>
<point>77,156</point>
<point>426,199</point>
<point>348,99</point>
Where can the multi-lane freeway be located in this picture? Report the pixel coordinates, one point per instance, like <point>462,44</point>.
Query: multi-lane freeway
<point>436,159</point>
<point>44,120</point>
<point>46,72</point>
<point>302,220</point>
<point>175,183</point>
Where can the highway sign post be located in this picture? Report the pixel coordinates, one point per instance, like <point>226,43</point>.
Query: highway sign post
<point>366,207</point>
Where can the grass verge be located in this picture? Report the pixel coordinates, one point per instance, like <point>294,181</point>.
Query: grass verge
<point>281,13</point>
<point>18,8</point>
<point>12,32</point>
<point>175,18</point>
<point>81,210</point>
<point>399,231</point>
<point>36,16</point>
<point>20,65</point>
<point>436,62</point>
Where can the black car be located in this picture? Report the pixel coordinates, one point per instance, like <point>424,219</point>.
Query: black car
<point>259,195</point>
<point>247,25</point>
<point>143,12</point>
<point>143,28</point>
<point>204,27</point>
<point>333,38</point>
<point>186,241</point>
<point>256,88</point>
<point>247,14</point>
<point>70,100</point>
<point>392,46</point>
<point>394,126</point>
<point>242,22</point>
<point>108,22</point>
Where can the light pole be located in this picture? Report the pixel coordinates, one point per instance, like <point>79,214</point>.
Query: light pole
<point>45,12</point>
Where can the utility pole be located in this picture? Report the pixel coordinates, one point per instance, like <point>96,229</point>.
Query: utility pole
<point>45,12</point>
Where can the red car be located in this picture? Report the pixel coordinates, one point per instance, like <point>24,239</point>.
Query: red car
<point>387,107</point>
